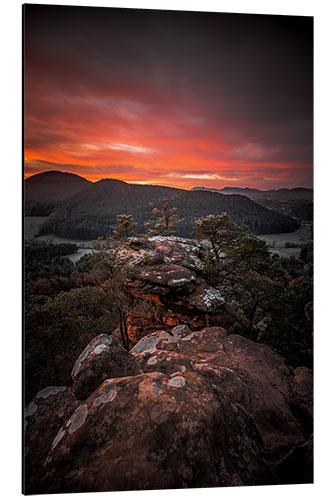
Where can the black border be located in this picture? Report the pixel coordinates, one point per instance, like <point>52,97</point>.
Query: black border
<point>23,477</point>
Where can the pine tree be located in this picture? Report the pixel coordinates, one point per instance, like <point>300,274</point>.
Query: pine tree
<point>166,220</point>
<point>125,227</point>
<point>219,230</point>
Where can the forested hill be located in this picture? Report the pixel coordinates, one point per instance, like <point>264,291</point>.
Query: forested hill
<point>256,194</point>
<point>49,188</point>
<point>109,194</point>
<point>195,204</point>
<point>92,211</point>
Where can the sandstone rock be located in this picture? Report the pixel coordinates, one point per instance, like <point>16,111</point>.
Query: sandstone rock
<point>163,250</point>
<point>303,395</point>
<point>141,323</point>
<point>169,275</point>
<point>104,357</point>
<point>42,419</point>
<point>180,331</point>
<point>202,408</point>
<point>248,373</point>
<point>149,344</point>
<point>309,461</point>
<point>154,431</point>
<point>271,402</point>
<point>297,466</point>
<point>168,362</point>
<point>171,249</point>
<point>206,299</point>
<point>172,280</point>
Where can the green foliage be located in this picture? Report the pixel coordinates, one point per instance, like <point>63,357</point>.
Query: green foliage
<point>45,260</point>
<point>166,220</point>
<point>109,256</point>
<point>43,249</point>
<point>271,293</point>
<point>209,268</point>
<point>125,227</point>
<point>39,209</point>
<point>57,330</point>
<point>85,263</point>
<point>219,230</point>
<point>290,329</point>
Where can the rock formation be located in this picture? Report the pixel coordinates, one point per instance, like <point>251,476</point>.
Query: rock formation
<point>186,409</point>
<point>172,280</point>
<point>103,358</point>
<point>42,420</point>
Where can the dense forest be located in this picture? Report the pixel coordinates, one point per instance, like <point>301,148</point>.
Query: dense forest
<point>271,194</point>
<point>88,217</point>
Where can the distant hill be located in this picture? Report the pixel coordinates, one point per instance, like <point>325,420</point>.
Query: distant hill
<point>52,187</point>
<point>107,194</point>
<point>256,194</point>
<point>92,211</point>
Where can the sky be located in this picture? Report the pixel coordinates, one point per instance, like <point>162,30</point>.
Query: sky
<point>170,98</point>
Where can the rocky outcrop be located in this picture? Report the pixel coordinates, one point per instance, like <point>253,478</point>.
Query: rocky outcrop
<point>204,409</point>
<point>248,373</point>
<point>303,395</point>
<point>154,431</point>
<point>46,413</point>
<point>297,466</point>
<point>172,281</point>
<point>103,358</point>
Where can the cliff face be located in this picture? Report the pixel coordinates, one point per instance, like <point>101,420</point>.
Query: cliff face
<point>182,409</point>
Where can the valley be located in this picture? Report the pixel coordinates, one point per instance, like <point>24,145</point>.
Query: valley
<point>80,211</point>
<point>277,242</point>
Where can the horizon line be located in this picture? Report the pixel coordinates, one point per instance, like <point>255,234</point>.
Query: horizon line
<point>152,183</point>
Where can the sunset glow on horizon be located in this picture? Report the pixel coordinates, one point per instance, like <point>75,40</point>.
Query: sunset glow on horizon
<point>176,99</point>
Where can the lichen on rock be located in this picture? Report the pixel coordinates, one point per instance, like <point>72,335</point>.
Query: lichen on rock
<point>103,358</point>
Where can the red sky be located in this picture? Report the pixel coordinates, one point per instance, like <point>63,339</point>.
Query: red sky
<point>169,98</point>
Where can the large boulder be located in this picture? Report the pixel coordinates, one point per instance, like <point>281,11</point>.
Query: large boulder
<point>297,466</point>
<point>154,431</point>
<point>46,413</point>
<point>251,374</point>
<point>303,394</point>
<point>104,357</point>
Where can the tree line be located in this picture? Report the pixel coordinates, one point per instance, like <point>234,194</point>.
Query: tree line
<point>94,219</point>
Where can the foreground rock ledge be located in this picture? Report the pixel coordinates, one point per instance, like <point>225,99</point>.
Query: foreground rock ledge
<point>205,409</point>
